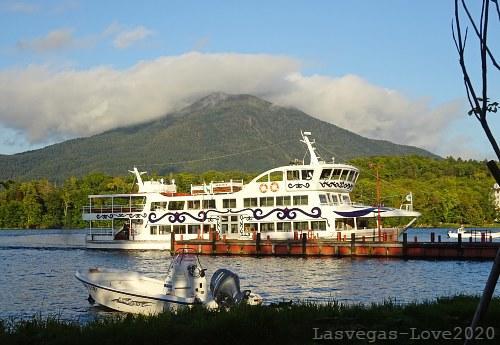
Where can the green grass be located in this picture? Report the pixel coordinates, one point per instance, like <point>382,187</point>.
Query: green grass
<point>283,324</point>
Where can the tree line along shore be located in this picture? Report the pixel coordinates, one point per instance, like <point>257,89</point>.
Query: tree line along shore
<point>446,191</point>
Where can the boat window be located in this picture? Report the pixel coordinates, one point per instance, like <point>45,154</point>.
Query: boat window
<point>325,174</point>
<point>249,227</point>
<point>193,229</point>
<point>292,175</point>
<point>276,176</point>
<point>267,201</point>
<point>176,205</point>
<point>336,174</point>
<point>264,178</point>
<point>300,200</point>
<point>352,176</point>
<point>209,204</point>
<point>234,218</point>
<point>346,175</point>
<point>334,198</point>
<point>229,203</point>
<point>153,230</point>
<point>344,223</point>
<point>158,206</point>
<point>318,225</point>
<point>206,228</point>
<point>224,218</point>
<point>283,201</point>
<point>250,202</point>
<point>223,228</point>
<point>284,226</point>
<point>234,228</point>
<point>266,227</point>
<point>300,226</point>
<point>164,229</point>
<point>193,204</point>
<point>346,199</point>
<point>307,174</point>
<point>323,199</point>
<point>179,229</point>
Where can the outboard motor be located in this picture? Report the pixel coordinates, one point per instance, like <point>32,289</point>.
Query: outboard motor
<point>225,288</point>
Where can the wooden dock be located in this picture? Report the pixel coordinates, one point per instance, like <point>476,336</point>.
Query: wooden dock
<point>460,250</point>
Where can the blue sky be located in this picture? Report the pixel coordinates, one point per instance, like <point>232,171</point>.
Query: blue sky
<point>383,69</point>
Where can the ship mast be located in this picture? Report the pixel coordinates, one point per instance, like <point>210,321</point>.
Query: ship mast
<point>138,174</point>
<point>315,158</point>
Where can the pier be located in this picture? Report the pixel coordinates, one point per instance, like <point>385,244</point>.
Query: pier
<point>303,245</point>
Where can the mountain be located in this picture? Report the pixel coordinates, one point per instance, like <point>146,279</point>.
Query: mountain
<point>219,131</point>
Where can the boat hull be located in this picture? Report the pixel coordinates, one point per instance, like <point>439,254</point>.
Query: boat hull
<point>127,244</point>
<point>474,236</point>
<point>114,290</point>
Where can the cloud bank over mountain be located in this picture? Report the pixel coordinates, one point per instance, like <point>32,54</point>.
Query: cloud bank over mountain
<point>49,104</point>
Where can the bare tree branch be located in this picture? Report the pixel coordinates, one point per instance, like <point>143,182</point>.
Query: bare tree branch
<point>478,34</point>
<point>498,8</point>
<point>479,104</point>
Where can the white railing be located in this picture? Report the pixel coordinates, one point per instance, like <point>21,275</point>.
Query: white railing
<point>100,234</point>
<point>216,187</point>
<point>113,208</point>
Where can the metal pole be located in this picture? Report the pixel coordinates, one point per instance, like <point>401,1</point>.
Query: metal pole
<point>378,203</point>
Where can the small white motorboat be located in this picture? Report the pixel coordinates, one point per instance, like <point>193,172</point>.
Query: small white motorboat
<point>475,234</point>
<point>184,286</point>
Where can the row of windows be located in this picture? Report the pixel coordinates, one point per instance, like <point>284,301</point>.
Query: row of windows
<point>179,205</point>
<point>178,229</point>
<point>339,174</point>
<point>233,228</point>
<point>231,203</point>
<point>307,174</point>
<point>334,199</point>
<point>278,201</point>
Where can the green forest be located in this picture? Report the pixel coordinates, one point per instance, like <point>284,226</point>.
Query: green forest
<point>446,191</point>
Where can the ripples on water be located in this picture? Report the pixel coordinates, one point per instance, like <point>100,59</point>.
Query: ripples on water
<point>38,267</point>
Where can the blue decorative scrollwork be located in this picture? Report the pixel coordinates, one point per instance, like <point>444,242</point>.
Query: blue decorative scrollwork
<point>299,185</point>
<point>281,213</point>
<point>334,184</point>
<point>121,215</point>
<point>180,217</point>
<point>257,214</point>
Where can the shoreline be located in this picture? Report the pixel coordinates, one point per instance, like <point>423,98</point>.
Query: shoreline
<point>430,322</point>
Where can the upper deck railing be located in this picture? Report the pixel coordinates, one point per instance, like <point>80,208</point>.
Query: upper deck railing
<point>113,208</point>
<point>217,187</point>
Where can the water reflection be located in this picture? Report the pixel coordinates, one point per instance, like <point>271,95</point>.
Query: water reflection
<point>38,268</point>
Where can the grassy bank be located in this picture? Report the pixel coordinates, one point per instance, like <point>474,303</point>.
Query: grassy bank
<point>444,319</point>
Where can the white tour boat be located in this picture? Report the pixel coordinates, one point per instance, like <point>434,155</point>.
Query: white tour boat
<point>475,234</point>
<point>281,203</point>
<point>184,286</point>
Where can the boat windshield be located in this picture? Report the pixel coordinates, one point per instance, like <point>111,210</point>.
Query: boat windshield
<point>185,255</point>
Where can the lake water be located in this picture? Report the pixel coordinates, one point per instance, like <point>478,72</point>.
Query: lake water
<point>38,266</point>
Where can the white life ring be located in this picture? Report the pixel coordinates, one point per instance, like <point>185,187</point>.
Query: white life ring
<point>263,187</point>
<point>275,187</point>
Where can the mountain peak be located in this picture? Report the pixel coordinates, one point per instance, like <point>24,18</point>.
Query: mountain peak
<point>220,98</point>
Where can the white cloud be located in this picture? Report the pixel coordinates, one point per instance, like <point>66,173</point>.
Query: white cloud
<point>126,38</point>
<point>49,104</point>
<point>54,40</point>
<point>19,7</point>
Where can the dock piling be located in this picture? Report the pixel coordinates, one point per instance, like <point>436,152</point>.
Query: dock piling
<point>353,244</point>
<point>172,242</point>
<point>304,242</point>
<point>257,243</point>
